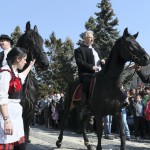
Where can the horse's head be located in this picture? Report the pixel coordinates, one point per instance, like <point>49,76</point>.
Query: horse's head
<point>131,49</point>
<point>33,43</point>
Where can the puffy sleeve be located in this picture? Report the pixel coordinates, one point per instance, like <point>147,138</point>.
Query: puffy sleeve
<point>5,78</point>
<point>22,77</point>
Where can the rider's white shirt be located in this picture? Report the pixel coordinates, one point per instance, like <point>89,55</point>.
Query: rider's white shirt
<point>96,58</point>
<point>5,56</point>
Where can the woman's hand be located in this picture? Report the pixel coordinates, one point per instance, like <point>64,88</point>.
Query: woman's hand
<point>8,127</point>
<point>32,63</point>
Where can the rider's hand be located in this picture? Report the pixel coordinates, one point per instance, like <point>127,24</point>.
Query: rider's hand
<point>137,67</point>
<point>94,68</point>
<point>103,61</point>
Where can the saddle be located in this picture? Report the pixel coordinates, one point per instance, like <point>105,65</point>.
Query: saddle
<point>77,95</point>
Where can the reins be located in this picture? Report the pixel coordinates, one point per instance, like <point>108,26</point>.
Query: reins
<point>127,69</point>
<point>133,58</point>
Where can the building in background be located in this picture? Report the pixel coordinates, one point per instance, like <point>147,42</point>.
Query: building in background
<point>135,81</point>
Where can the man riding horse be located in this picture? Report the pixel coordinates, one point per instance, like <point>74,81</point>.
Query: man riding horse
<point>89,60</point>
<point>106,98</point>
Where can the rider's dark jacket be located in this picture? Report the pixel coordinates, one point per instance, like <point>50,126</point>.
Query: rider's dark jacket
<point>85,60</point>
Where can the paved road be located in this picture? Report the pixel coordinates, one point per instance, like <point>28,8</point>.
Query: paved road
<point>45,139</point>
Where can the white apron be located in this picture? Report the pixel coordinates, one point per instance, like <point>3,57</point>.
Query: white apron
<point>14,109</point>
<point>15,114</point>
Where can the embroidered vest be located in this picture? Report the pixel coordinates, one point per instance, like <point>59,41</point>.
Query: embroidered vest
<point>15,86</point>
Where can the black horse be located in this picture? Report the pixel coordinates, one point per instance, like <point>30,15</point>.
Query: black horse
<point>107,97</point>
<point>33,43</point>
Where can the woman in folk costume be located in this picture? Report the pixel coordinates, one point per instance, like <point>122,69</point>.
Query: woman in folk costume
<point>11,123</point>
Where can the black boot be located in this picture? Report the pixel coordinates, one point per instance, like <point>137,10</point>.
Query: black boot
<point>22,146</point>
<point>84,98</point>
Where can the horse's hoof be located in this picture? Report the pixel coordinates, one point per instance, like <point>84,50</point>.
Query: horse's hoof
<point>89,147</point>
<point>58,144</point>
<point>28,141</point>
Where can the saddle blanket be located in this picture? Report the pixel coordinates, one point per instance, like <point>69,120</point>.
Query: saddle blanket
<point>77,95</point>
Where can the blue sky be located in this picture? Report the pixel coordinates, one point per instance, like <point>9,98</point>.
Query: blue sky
<point>68,17</point>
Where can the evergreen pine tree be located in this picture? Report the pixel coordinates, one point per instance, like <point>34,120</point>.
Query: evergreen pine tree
<point>16,35</point>
<point>43,89</point>
<point>68,66</point>
<point>61,70</point>
<point>104,27</point>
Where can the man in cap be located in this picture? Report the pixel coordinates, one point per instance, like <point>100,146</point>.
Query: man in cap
<point>6,44</point>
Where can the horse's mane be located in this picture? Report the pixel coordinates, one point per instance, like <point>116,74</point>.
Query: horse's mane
<point>20,42</point>
<point>112,52</point>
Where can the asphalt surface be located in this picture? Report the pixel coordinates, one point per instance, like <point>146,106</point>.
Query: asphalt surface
<point>43,138</point>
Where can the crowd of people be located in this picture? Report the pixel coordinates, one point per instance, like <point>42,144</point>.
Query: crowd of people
<point>138,111</point>
<point>135,115</point>
<point>49,110</point>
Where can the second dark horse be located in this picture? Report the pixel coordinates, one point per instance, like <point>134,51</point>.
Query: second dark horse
<point>107,97</point>
<point>33,43</point>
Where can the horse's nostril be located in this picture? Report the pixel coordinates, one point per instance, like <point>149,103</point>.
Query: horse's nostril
<point>144,57</point>
<point>44,65</point>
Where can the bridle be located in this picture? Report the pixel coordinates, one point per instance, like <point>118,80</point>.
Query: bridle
<point>134,57</point>
<point>27,45</point>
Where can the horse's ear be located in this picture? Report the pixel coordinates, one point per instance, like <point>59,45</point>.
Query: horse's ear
<point>35,28</point>
<point>28,26</point>
<point>136,35</point>
<point>125,33</point>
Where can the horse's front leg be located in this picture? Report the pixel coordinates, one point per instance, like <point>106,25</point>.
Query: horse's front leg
<point>99,125</point>
<point>85,119</point>
<point>26,130</point>
<point>63,122</point>
<point>27,117</point>
<point>122,131</point>
<point>62,126</point>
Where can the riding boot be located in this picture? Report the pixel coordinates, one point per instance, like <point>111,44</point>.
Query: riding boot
<point>84,98</point>
<point>88,110</point>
